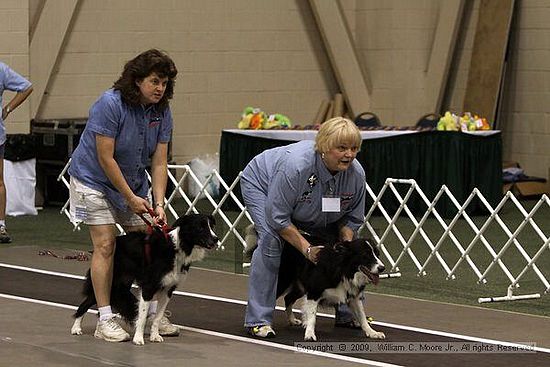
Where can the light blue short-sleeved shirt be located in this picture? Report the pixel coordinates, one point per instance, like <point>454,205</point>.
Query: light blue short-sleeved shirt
<point>136,130</point>
<point>295,180</point>
<point>9,80</point>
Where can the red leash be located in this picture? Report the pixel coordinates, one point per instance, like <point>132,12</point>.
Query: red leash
<point>165,228</point>
<point>150,228</point>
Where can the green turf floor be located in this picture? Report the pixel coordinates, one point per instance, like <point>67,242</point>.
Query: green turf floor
<point>50,230</point>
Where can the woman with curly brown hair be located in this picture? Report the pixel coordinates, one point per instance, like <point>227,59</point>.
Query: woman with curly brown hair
<point>128,129</point>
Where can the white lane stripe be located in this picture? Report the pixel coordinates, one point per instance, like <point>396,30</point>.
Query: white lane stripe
<point>224,335</point>
<point>33,270</point>
<point>241,302</point>
<point>457,336</point>
<point>32,300</point>
<point>380,323</point>
<point>290,348</point>
<point>212,298</point>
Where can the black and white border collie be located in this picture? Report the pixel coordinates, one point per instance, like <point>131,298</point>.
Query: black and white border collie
<point>340,276</point>
<point>159,274</point>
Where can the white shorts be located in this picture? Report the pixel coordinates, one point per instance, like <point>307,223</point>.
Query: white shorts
<point>91,207</point>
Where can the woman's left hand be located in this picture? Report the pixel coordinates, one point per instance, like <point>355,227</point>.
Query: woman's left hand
<point>313,252</point>
<point>161,215</point>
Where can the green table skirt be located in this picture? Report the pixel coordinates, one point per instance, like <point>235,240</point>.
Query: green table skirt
<point>433,158</point>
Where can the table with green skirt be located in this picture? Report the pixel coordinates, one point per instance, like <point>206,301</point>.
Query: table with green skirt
<point>461,161</point>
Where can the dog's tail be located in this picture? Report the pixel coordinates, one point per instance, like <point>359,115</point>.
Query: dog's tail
<point>251,241</point>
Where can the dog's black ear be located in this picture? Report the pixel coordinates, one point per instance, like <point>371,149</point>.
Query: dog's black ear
<point>376,249</point>
<point>372,244</point>
<point>177,222</point>
<point>340,246</point>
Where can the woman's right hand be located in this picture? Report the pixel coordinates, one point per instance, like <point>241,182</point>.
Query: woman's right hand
<point>138,205</point>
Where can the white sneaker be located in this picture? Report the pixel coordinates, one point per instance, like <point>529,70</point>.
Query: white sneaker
<point>166,328</point>
<point>111,331</point>
<point>4,236</point>
<point>128,327</point>
<point>262,331</point>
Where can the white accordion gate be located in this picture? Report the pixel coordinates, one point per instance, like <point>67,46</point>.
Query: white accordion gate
<point>237,218</point>
<point>450,269</point>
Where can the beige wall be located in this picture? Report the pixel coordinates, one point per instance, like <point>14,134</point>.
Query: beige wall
<point>394,40</point>
<point>269,54</point>
<point>526,127</point>
<point>14,51</point>
<point>230,54</point>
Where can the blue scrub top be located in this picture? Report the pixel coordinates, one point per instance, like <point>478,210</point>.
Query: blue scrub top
<point>9,80</point>
<point>295,179</point>
<point>137,131</point>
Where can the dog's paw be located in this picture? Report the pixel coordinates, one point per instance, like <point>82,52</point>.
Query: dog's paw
<point>293,321</point>
<point>76,330</point>
<point>376,335</point>
<point>310,337</point>
<point>156,338</point>
<point>138,340</point>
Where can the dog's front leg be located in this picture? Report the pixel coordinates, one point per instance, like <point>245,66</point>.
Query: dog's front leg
<point>77,326</point>
<point>162,299</point>
<point>143,308</point>
<point>291,297</point>
<point>292,320</point>
<point>356,307</point>
<point>309,313</point>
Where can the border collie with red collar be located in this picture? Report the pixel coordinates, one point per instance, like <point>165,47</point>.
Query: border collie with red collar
<point>340,276</point>
<point>171,255</point>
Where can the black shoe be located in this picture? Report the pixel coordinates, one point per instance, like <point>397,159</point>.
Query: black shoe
<point>352,324</point>
<point>348,324</point>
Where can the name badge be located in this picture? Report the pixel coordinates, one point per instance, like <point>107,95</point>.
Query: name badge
<point>330,205</point>
<point>80,213</point>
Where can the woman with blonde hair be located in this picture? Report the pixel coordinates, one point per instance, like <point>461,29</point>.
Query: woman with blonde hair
<point>313,186</point>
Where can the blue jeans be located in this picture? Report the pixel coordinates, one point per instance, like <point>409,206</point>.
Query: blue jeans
<point>264,269</point>
<point>343,314</point>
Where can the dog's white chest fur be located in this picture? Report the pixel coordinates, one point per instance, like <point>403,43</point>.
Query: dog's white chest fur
<point>346,288</point>
<point>181,266</point>
<point>173,278</point>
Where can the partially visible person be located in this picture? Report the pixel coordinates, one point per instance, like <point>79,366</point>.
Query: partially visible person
<point>313,186</point>
<point>12,81</point>
<point>128,129</point>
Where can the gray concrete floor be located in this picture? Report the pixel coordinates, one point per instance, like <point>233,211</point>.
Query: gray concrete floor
<point>38,335</point>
